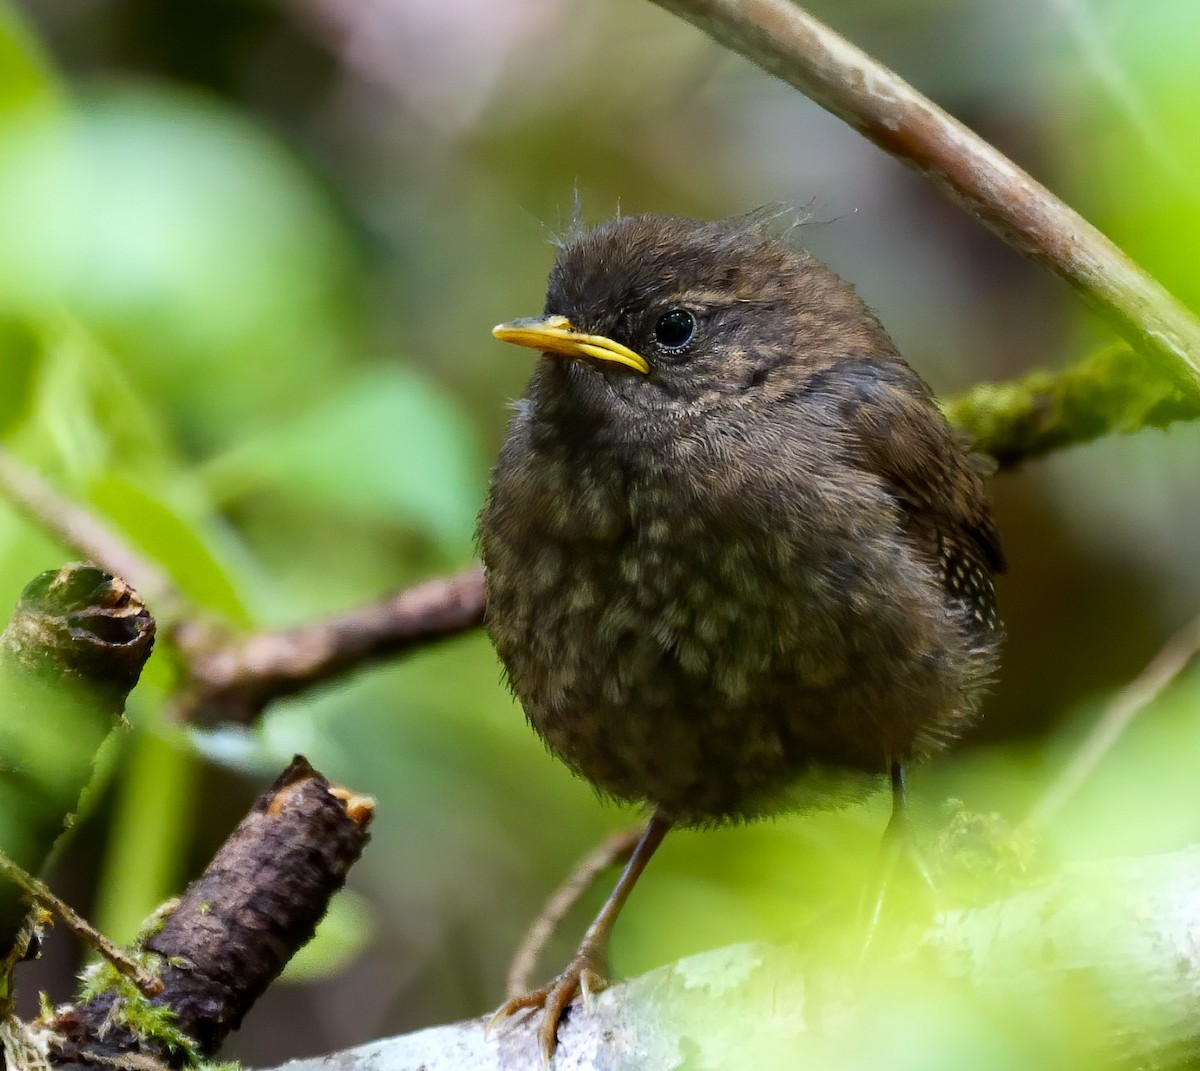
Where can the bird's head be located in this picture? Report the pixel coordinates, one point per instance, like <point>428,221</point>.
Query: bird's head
<point>670,316</point>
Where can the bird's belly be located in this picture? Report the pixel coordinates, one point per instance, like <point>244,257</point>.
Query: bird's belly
<point>710,684</point>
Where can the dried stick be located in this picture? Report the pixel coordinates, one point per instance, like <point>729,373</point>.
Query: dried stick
<point>236,927</point>
<point>614,850</point>
<point>39,893</point>
<point>233,679</point>
<point>789,43</point>
<point>1162,670</point>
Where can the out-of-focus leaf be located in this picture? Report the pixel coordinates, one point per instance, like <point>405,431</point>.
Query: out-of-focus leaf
<point>83,413</point>
<point>25,75</point>
<point>192,242</point>
<point>1138,800</point>
<point>151,829</point>
<point>342,934</point>
<point>1134,170</point>
<point>19,353</point>
<point>184,542</point>
<point>389,446</point>
<point>96,438</point>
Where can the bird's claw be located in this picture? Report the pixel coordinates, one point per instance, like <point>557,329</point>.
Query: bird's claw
<point>554,999</point>
<point>590,983</point>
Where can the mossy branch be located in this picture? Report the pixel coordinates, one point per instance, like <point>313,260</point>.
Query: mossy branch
<point>1111,392</point>
<point>218,948</point>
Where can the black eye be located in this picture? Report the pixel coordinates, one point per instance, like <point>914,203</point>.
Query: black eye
<point>674,329</point>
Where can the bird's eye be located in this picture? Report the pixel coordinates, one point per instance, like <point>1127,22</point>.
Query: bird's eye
<point>674,329</point>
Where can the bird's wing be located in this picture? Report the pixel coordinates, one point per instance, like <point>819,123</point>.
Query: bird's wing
<point>902,437</point>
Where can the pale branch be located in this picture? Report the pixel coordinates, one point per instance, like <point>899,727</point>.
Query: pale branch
<point>1108,954</point>
<point>789,43</point>
<point>232,679</point>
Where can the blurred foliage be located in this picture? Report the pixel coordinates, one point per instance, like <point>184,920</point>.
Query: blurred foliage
<point>52,726</point>
<point>249,256</point>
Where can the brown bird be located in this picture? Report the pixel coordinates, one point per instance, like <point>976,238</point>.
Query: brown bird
<point>737,561</point>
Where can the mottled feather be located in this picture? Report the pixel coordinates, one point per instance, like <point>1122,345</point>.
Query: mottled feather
<point>756,575</point>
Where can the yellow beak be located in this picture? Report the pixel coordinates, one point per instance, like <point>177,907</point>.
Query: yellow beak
<point>554,334</point>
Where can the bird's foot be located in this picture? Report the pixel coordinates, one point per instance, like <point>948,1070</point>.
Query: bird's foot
<point>899,846</point>
<point>583,975</point>
<point>901,884</point>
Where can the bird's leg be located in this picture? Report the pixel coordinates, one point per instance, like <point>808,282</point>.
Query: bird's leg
<point>897,841</point>
<point>586,970</point>
<point>614,850</point>
<point>900,831</point>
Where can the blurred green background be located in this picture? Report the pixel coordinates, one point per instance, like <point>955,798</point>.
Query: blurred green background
<point>250,253</point>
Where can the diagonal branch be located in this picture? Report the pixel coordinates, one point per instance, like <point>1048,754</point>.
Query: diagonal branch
<point>84,532</point>
<point>789,43</point>
<point>235,928</point>
<point>232,679</point>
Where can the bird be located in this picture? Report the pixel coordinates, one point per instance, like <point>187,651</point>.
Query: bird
<point>737,563</point>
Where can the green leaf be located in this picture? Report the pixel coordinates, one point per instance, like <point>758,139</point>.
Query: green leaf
<point>342,934</point>
<point>390,446</point>
<point>25,74</point>
<point>95,437</point>
<point>184,540</point>
<point>151,827</point>
<point>188,240</point>
<point>20,351</point>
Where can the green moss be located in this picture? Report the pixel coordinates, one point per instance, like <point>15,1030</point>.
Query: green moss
<point>148,1020</point>
<point>155,922</point>
<point>1114,391</point>
<point>982,855</point>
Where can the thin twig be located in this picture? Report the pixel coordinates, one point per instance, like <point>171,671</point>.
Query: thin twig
<point>1171,660</point>
<point>81,530</point>
<point>791,44</point>
<point>37,891</point>
<point>614,850</point>
<point>233,679</point>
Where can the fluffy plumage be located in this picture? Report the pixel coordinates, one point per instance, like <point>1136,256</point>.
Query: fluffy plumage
<point>761,570</point>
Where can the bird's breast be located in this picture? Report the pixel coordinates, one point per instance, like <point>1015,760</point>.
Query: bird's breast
<point>673,640</point>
